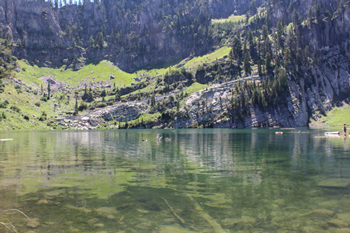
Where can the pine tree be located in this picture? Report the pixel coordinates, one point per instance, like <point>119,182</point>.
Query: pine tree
<point>246,60</point>
<point>99,40</point>
<point>259,67</point>
<point>236,50</point>
<point>91,41</point>
<point>76,110</point>
<point>279,35</point>
<point>48,90</point>
<point>268,63</point>
<point>309,17</point>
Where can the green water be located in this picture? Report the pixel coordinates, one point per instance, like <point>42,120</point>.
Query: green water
<point>175,181</point>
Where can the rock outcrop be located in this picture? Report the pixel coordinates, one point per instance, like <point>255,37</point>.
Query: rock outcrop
<point>120,112</point>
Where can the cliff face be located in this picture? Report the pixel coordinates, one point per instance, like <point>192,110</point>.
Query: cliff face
<point>134,34</point>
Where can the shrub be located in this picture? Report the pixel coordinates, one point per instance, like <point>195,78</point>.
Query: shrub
<point>18,89</point>
<point>37,104</point>
<point>4,104</point>
<point>101,105</point>
<point>2,86</point>
<point>43,98</point>
<point>82,106</point>
<point>168,114</point>
<point>103,93</point>
<point>43,117</point>
<point>26,117</point>
<point>16,109</point>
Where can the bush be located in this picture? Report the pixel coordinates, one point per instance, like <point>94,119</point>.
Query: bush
<point>37,104</point>
<point>3,115</point>
<point>101,105</point>
<point>168,114</point>
<point>43,98</point>
<point>26,117</point>
<point>103,93</point>
<point>4,104</point>
<point>82,107</point>
<point>2,86</point>
<point>15,109</point>
<point>18,89</point>
<point>43,117</point>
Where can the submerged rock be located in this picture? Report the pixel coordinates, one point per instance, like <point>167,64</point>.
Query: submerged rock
<point>53,194</point>
<point>42,201</point>
<point>335,183</point>
<point>33,223</point>
<point>73,230</point>
<point>337,223</point>
<point>91,222</point>
<point>345,217</point>
<point>105,211</point>
<point>143,226</point>
<point>320,213</point>
<point>244,223</point>
<point>342,230</point>
<point>99,225</point>
<point>329,204</point>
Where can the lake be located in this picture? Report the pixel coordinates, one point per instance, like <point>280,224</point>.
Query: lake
<point>205,180</point>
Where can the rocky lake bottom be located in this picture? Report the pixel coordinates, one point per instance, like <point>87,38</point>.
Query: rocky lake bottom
<point>210,180</point>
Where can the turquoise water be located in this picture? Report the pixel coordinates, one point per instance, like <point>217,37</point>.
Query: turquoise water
<point>210,180</point>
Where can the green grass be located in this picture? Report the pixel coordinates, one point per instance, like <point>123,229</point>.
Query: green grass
<point>195,87</point>
<point>26,103</point>
<point>91,72</point>
<point>334,118</point>
<point>232,18</point>
<point>208,58</point>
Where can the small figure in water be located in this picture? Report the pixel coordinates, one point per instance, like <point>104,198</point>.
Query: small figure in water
<point>344,130</point>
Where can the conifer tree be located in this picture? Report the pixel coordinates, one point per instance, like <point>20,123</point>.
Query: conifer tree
<point>236,50</point>
<point>48,90</point>
<point>268,66</point>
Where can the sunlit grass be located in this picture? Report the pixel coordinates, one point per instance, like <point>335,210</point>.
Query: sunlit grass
<point>28,102</point>
<point>208,58</point>
<point>337,117</point>
<point>91,72</point>
<point>195,87</point>
<point>232,18</point>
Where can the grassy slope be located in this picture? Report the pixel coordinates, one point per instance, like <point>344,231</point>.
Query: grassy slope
<point>208,58</point>
<point>232,18</point>
<point>334,118</point>
<point>25,101</point>
<point>101,72</point>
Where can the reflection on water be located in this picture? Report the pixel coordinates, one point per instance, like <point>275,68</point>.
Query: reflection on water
<point>188,181</point>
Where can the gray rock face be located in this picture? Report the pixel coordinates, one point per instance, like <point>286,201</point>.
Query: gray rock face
<point>216,99</point>
<point>55,85</point>
<point>119,112</point>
